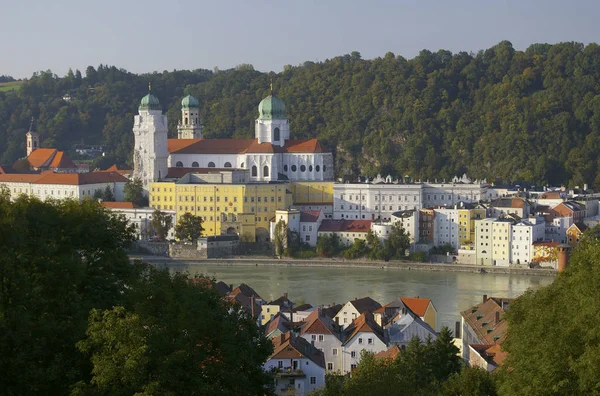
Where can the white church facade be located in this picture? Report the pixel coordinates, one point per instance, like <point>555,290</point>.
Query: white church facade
<point>271,156</point>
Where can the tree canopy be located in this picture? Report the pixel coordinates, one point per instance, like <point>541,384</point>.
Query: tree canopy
<point>499,114</point>
<point>189,227</point>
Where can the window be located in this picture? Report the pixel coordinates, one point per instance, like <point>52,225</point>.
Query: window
<point>370,341</point>
<point>294,168</point>
<point>285,168</point>
<point>211,164</point>
<point>227,165</point>
<point>310,168</point>
<point>254,171</point>
<point>352,366</point>
<point>302,168</point>
<point>317,168</point>
<point>195,165</point>
<point>321,337</point>
<point>280,364</point>
<point>360,340</point>
<point>334,351</point>
<point>329,366</point>
<point>353,354</point>
<point>276,134</point>
<point>179,164</point>
<point>324,168</point>
<point>313,380</point>
<point>266,171</point>
<point>313,337</point>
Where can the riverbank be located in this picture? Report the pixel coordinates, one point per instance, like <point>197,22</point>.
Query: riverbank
<point>340,263</point>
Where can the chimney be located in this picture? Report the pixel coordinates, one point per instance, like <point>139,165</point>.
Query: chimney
<point>457,329</point>
<point>231,287</point>
<point>485,298</point>
<point>497,317</point>
<point>252,306</point>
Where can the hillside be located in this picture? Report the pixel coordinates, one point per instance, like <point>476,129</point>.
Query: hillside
<point>500,114</point>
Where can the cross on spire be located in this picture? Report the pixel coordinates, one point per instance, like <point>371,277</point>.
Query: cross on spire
<point>271,85</point>
<point>31,125</point>
<point>149,86</point>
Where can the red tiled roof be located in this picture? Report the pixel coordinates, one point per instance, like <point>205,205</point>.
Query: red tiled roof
<point>390,353</point>
<point>19,177</point>
<point>317,323</point>
<point>311,216</point>
<point>119,205</point>
<point>41,156</point>
<point>80,178</point>
<point>62,161</point>
<point>114,168</point>
<point>330,225</point>
<point>417,305</point>
<point>364,324</point>
<point>240,146</point>
<point>482,320</point>
<point>287,346</point>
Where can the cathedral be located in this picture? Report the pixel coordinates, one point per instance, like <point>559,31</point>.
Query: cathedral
<point>271,156</point>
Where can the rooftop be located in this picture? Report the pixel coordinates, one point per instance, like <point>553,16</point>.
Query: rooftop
<point>330,225</point>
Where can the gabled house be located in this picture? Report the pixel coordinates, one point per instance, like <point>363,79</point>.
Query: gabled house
<point>423,308</point>
<point>483,324</point>
<point>390,354</point>
<point>571,209</point>
<point>277,326</point>
<point>505,206</point>
<point>353,309</point>
<point>393,311</point>
<point>299,366</point>
<point>401,332</point>
<point>269,310</point>
<point>322,332</point>
<point>575,232</point>
<point>362,334</point>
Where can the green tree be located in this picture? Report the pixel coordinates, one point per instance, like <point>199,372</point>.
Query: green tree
<point>58,261</point>
<point>134,192</point>
<point>108,195</point>
<point>161,223</point>
<point>189,227</point>
<point>328,245</point>
<point>281,237</point>
<point>472,381</point>
<point>567,356</point>
<point>397,242</point>
<point>175,336</point>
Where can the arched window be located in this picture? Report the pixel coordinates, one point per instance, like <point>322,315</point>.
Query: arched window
<point>254,171</point>
<point>285,168</point>
<point>227,165</point>
<point>276,134</point>
<point>310,168</point>
<point>179,164</point>
<point>294,168</point>
<point>211,164</point>
<point>186,120</point>
<point>195,165</point>
<point>317,168</point>
<point>302,168</point>
<point>324,168</point>
<point>266,171</point>
<point>242,166</point>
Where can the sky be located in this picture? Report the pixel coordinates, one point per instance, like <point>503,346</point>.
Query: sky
<point>151,35</point>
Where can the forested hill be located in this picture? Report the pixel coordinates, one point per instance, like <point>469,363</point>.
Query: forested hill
<point>500,114</point>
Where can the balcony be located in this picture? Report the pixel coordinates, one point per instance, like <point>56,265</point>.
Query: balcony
<point>288,372</point>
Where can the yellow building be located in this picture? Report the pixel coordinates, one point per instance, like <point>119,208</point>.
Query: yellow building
<point>312,192</point>
<point>501,241</point>
<point>466,223</point>
<point>240,208</point>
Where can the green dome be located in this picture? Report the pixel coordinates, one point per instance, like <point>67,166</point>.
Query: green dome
<point>189,102</point>
<point>149,102</point>
<point>271,108</point>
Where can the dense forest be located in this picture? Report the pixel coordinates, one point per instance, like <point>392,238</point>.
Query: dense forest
<point>500,114</point>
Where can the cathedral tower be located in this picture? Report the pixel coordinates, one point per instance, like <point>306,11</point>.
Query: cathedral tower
<point>189,127</point>
<point>271,126</point>
<point>33,139</point>
<point>150,152</point>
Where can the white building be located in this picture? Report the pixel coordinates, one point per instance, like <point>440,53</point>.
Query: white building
<point>445,227</point>
<point>141,218</point>
<point>300,366</point>
<point>272,154</point>
<point>363,334</point>
<point>353,309</point>
<point>523,235</point>
<point>325,335</point>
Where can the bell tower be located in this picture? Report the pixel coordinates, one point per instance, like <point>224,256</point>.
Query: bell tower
<point>33,139</point>
<point>150,152</point>
<point>271,126</point>
<point>189,127</point>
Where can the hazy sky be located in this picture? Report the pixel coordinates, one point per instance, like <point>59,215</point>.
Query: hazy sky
<point>152,35</point>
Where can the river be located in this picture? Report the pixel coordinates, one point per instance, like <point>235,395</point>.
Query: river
<point>451,292</point>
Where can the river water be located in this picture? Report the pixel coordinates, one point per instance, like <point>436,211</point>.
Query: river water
<point>451,292</point>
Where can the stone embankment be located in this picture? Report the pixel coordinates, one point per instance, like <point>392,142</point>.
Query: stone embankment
<point>341,263</point>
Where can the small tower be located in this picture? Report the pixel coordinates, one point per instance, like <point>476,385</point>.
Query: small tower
<point>189,127</point>
<point>150,152</point>
<point>33,139</point>
<point>271,126</point>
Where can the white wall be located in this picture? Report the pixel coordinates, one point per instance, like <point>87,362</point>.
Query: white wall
<point>327,345</point>
<point>307,366</point>
<point>355,346</point>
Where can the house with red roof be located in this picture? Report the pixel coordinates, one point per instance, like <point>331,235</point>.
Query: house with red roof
<point>299,366</point>
<point>346,230</point>
<point>320,330</point>
<point>363,334</point>
<point>305,223</point>
<point>393,311</point>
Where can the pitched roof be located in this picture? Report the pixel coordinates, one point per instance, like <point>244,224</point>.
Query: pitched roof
<point>389,353</point>
<point>365,304</point>
<point>287,346</point>
<point>482,320</point>
<point>115,168</point>
<point>332,310</point>
<point>417,305</point>
<point>240,146</point>
<point>581,226</point>
<point>245,290</point>
<point>222,288</point>
<point>363,324</point>
<point>279,322</point>
<point>41,157</point>
<point>19,177</point>
<point>119,205</point>
<point>318,323</point>
<point>303,307</point>
<point>80,178</point>
<point>491,353</point>
<point>330,225</point>
<point>508,203</point>
<point>309,216</point>
<point>62,161</point>
<point>407,327</point>
<point>282,302</point>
